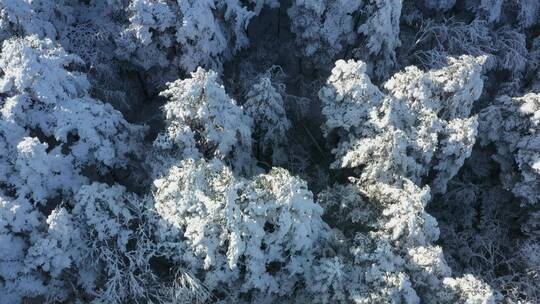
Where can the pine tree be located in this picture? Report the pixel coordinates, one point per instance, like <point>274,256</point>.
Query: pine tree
<point>265,106</point>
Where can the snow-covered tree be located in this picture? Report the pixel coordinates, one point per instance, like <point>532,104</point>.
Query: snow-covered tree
<point>19,221</point>
<point>203,33</point>
<point>323,27</point>
<point>419,131</point>
<point>513,125</point>
<point>381,30</point>
<point>421,125</point>
<point>41,175</point>
<point>503,11</point>
<point>265,106</point>
<point>253,237</point>
<point>42,92</point>
<point>50,131</point>
<point>505,46</point>
<point>469,288</point>
<point>115,245</point>
<point>440,5</point>
<point>52,252</point>
<point>528,12</point>
<point>361,268</point>
<point>52,128</point>
<point>26,17</point>
<point>203,121</point>
<point>395,201</point>
<point>476,220</point>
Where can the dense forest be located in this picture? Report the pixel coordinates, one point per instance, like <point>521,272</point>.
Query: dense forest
<point>270,151</point>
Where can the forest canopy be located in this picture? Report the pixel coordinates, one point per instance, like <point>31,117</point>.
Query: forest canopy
<point>270,151</point>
